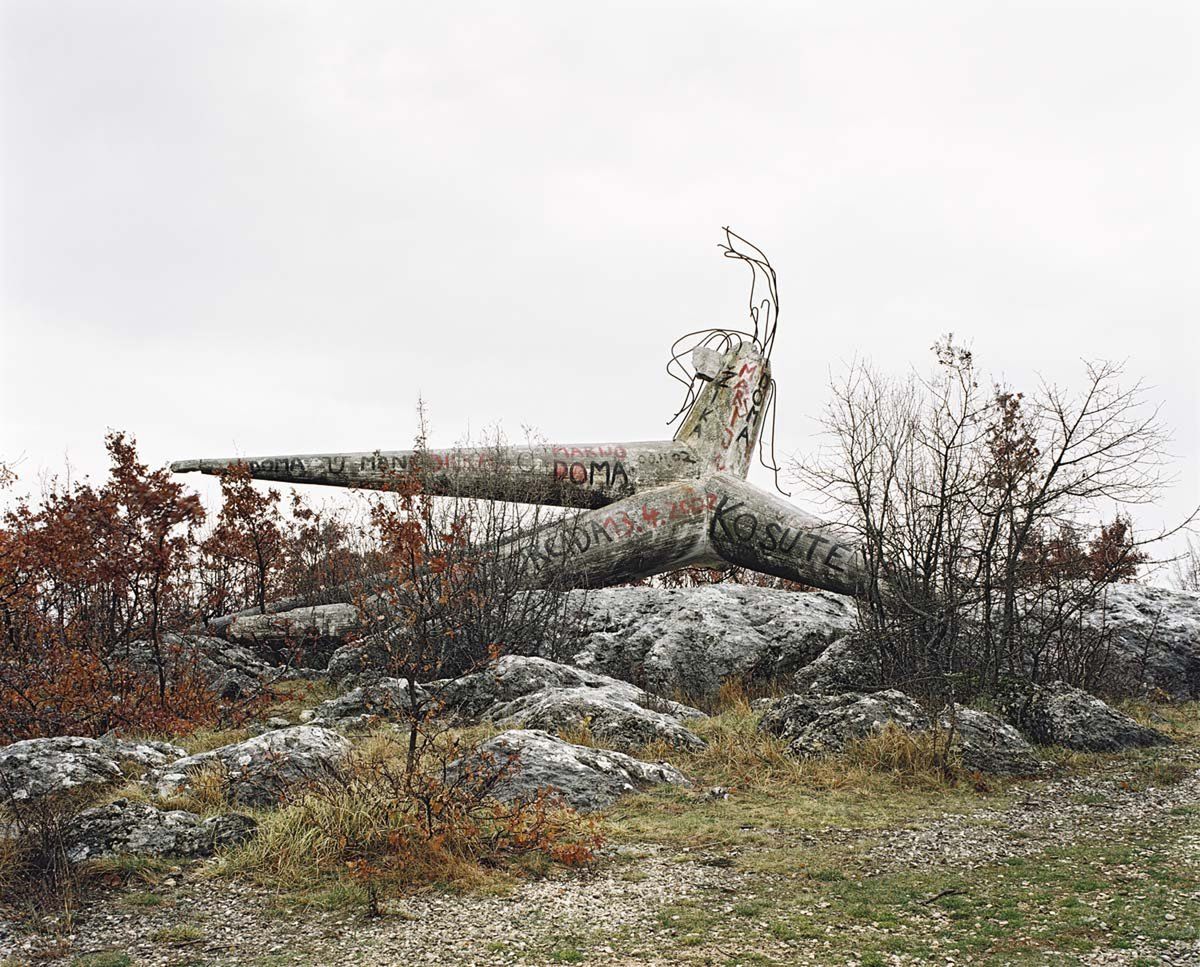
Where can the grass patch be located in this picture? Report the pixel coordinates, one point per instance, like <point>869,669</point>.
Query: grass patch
<point>145,869</point>
<point>205,740</point>
<point>1113,892</point>
<point>104,958</point>
<point>291,696</point>
<point>775,798</point>
<point>142,899</point>
<point>371,828</point>
<point>206,793</point>
<point>180,934</point>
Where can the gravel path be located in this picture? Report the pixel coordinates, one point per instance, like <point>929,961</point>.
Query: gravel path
<point>1049,813</point>
<point>540,922</point>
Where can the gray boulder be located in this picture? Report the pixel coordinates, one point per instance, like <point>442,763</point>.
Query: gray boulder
<point>823,724</point>
<point>690,640</point>
<point>1155,636</point>
<point>511,677</point>
<point>611,717</point>
<point>34,768</point>
<point>260,771</point>
<point>845,666</point>
<point>357,661</point>
<point>1059,714</point>
<point>123,827</point>
<point>535,693</point>
<point>587,779</point>
<point>385,698</point>
<point>137,756</point>
<point>990,745</point>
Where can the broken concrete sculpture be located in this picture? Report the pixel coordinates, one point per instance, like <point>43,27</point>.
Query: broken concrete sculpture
<point>650,506</point>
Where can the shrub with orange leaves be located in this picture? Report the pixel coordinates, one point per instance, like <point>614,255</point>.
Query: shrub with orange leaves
<point>84,575</point>
<point>383,821</point>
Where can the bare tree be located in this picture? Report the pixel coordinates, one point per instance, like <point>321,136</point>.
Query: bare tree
<point>981,515</point>
<point>1187,568</point>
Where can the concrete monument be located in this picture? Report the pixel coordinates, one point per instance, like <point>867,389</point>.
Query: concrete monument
<point>646,507</point>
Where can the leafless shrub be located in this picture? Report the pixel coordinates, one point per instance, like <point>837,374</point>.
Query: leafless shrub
<point>980,513</point>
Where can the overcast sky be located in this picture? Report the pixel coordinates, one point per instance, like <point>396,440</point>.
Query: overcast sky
<point>254,228</point>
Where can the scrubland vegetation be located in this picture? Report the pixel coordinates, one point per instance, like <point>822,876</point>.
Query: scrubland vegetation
<point>993,523</point>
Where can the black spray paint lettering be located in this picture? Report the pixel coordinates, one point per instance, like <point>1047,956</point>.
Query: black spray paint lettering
<point>741,528</point>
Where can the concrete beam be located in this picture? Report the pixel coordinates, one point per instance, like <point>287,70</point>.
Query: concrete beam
<point>566,475</point>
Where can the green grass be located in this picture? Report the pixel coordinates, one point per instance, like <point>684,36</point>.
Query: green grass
<point>108,958</point>
<point>1055,905</point>
<point>142,898</point>
<point>1100,892</point>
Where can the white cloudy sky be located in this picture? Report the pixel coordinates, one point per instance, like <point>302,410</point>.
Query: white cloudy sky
<point>253,227</point>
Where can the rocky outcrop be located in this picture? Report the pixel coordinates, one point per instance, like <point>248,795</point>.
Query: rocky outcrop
<point>127,828</point>
<point>988,744</point>
<point>262,770</point>
<point>229,669</point>
<point>34,768</point>
<point>690,640</point>
<point>536,693</point>
<point>845,666</point>
<point>357,661</point>
<point>1059,714</point>
<point>824,724</point>
<point>587,779</point>
<point>382,699</point>
<point>609,717</point>
<point>477,695</point>
<point>1155,636</point>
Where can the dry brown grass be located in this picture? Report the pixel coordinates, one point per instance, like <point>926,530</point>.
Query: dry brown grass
<point>207,791</point>
<point>374,824</point>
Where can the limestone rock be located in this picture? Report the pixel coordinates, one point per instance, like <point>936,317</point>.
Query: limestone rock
<point>824,724</point>
<point>123,827</point>
<point>586,778</point>
<point>140,755</point>
<point>1058,714</point>
<point>690,640</point>
<point>261,770</point>
<point>526,692</point>
<point>990,745</point>
<point>845,666</point>
<point>386,698</point>
<point>1155,635</point>
<point>322,621</point>
<point>34,768</point>
<point>357,661</point>
<point>477,695</point>
<point>611,717</point>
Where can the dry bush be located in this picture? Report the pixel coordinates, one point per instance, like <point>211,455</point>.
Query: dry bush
<point>34,869</point>
<point>383,824</point>
<point>1187,567</point>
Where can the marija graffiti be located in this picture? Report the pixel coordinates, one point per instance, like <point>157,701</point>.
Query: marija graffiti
<point>643,508</point>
